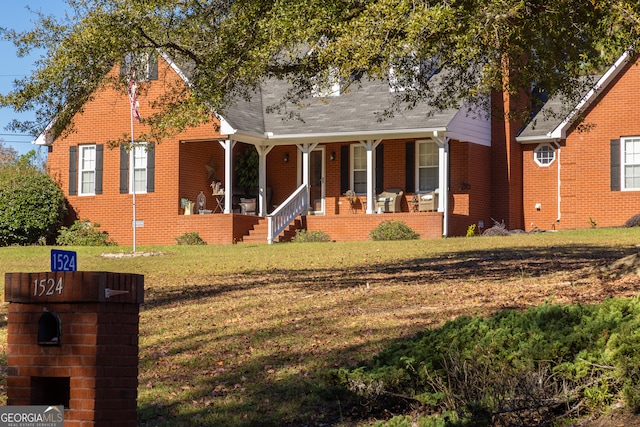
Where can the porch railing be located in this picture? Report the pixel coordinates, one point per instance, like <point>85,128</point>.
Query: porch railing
<point>296,204</point>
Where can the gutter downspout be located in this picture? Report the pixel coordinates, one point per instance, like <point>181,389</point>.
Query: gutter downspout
<point>445,198</point>
<point>557,144</point>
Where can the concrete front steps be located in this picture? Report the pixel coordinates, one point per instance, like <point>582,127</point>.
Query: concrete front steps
<point>260,231</point>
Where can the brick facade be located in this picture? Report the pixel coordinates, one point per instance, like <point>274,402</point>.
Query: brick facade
<point>585,196</point>
<point>91,366</point>
<point>180,173</point>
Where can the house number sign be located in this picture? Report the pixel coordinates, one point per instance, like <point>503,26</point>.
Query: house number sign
<point>63,260</point>
<point>47,287</point>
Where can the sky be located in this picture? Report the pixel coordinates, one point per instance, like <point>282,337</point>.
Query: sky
<point>15,15</point>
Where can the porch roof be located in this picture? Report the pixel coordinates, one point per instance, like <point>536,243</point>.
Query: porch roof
<point>355,115</point>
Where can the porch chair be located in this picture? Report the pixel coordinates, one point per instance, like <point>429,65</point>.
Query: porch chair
<point>428,202</point>
<point>389,200</point>
<point>247,206</point>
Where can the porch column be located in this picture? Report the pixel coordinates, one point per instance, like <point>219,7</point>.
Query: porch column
<point>305,149</point>
<point>443,180</point>
<point>370,146</point>
<point>262,178</point>
<point>228,145</point>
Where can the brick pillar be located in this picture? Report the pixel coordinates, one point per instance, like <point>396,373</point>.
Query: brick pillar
<point>509,111</point>
<point>73,341</point>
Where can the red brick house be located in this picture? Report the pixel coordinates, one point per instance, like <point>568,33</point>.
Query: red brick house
<point>583,169</point>
<point>454,168</point>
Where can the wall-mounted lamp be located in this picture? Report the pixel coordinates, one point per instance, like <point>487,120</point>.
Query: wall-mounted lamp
<point>286,157</point>
<point>333,156</point>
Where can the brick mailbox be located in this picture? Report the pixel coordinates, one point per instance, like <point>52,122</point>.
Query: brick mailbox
<point>73,341</point>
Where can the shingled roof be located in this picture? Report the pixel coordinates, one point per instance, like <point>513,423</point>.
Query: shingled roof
<point>360,111</point>
<point>557,115</point>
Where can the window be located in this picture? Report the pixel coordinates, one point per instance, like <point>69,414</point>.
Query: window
<point>409,73</point>
<point>631,163</point>
<point>544,154</point>
<point>427,160</point>
<point>145,65</point>
<point>325,85</point>
<point>138,158</point>
<point>87,170</point>
<point>359,169</point>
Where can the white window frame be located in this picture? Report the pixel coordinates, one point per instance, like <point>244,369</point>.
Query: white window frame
<point>144,63</point>
<point>628,161</point>
<point>326,85</point>
<point>86,167</point>
<point>540,160</point>
<point>138,161</point>
<point>435,165</point>
<point>353,170</point>
<point>420,72</point>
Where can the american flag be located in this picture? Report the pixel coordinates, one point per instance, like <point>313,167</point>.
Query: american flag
<point>133,99</point>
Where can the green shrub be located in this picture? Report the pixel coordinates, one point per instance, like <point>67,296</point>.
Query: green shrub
<point>495,370</point>
<point>634,221</point>
<point>83,233</point>
<point>393,230</point>
<point>471,230</point>
<point>191,238</point>
<point>303,236</point>
<point>32,206</point>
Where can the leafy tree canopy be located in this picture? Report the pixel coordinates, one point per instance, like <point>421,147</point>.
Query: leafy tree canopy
<point>7,154</point>
<point>232,46</point>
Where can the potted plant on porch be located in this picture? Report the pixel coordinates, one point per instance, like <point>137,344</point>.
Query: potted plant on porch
<point>247,164</point>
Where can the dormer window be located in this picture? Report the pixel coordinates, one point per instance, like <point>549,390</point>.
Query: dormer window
<point>145,65</point>
<point>408,74</point>
<point>325,85</point>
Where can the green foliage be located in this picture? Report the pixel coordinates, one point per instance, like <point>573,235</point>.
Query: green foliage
<point>552,45</point>
<point>32,205</point>
<point>446,420</point>
<point>247,169</point>
<point>84,233</point>
<point>471,230</point>
<point>191,238</point>
<point>303,236</point>
<point>393,230</point>
<point>551,358</point>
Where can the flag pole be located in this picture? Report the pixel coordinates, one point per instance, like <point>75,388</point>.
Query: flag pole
<point>132,157</point>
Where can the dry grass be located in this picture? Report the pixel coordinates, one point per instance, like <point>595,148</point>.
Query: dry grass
<point>246,335</point>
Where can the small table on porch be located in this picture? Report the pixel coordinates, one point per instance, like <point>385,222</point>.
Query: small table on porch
<point>219,198</point>
<point>413,204</point>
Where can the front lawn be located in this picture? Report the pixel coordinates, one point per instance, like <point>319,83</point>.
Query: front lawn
<point>247,335</point>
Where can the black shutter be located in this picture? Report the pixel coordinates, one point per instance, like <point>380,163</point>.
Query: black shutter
<point>410,165</point>
<point>344,168</point>
<point>99,158</point>
<point>152,69</point>
<point>73,170</point>
<point>124,170</point>
<point>379,168</point>
<point>151,167</point>
<point>615,164</point>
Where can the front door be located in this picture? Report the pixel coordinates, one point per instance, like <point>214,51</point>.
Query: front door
<point>316,180</point>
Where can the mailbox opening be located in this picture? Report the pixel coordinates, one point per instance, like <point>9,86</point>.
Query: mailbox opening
<point>49,329</point>
<point>50,391</point>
